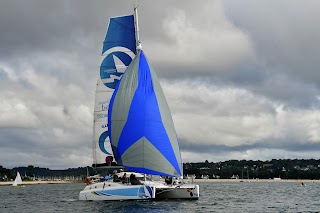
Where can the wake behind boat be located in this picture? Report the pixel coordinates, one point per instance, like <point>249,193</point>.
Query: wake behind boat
<point>136,121</point>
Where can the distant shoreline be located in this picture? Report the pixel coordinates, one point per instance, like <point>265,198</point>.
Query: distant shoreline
<point>6,183</point>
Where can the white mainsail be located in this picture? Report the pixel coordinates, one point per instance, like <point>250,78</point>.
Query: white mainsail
<point>18,180</point>
<point>119,48</point>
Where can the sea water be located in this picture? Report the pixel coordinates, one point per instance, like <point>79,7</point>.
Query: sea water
<point>215,197</point>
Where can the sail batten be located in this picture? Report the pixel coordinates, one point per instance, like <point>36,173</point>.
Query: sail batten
<point>141,129</point>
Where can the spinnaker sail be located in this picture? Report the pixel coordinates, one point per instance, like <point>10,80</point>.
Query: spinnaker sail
<point>141,128</point>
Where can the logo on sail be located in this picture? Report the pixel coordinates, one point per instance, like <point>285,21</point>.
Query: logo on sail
<point>114,63</point>
<point>102,140</point>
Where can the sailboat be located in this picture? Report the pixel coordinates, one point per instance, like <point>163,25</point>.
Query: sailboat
<point>18,181</point>
<point>139,124</point>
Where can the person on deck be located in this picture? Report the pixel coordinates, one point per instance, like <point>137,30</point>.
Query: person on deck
<point>134,180</point>
<point>115,176</point>
<point>124,178</point>
<point>88,181</point>
<point>168,180</point>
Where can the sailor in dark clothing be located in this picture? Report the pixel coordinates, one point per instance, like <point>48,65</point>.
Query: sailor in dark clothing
<point>124,178</point>
<point>115,176</point>
<point>168,180</point>
<point>134,180</point>
<point>131,177</point>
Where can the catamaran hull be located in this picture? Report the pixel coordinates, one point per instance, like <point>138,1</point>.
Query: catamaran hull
<point>117,191</point>
<point>189,192</point>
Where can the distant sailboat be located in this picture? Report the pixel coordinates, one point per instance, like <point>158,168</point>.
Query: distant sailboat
<point>18,181</point>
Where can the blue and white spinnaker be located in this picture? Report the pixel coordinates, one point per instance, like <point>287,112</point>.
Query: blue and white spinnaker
<point>141,129</point>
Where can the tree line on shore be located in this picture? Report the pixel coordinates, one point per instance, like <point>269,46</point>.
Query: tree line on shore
<point>246,169</point>
<point>249,169</point>
<point>31,173</point>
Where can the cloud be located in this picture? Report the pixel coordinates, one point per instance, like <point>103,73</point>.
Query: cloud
<point>213,43</point>
<point>241,79</point>
<point>218,119</point>
<point>44,118</point>
<point>283,33</point>
<point>14,113</point>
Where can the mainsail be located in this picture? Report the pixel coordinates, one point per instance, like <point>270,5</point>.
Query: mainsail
<point>141,128</point>
<point>119,48</point>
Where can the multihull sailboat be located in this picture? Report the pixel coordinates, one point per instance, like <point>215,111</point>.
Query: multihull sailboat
<point>139,126</point>
<point>18,181</point>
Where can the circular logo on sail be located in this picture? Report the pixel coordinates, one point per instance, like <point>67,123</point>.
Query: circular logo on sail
<point>114,62</point>
<point>102,140</point>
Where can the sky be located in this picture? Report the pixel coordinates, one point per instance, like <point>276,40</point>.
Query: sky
<point>241,78</point>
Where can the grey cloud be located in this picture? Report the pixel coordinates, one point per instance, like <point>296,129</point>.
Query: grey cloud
<point>251,85</point>
<point>285,35</point>
<point>221,149</point>
<point>290,91</point>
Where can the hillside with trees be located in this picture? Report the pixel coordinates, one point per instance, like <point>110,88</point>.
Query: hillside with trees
<point>283,168</point>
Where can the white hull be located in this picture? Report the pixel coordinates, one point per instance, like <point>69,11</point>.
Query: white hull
<point>151,190</point>
<point>117,191</point>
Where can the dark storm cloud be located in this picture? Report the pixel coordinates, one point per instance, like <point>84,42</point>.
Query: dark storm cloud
<point>286,39</point>
<point>50,25</point>
<point>290,146</point>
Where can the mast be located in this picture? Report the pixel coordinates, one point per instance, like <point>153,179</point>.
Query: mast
<point>136,24</point>
<point>94,154</point>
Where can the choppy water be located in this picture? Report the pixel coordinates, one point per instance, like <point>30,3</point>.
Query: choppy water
<point>215,197</point>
